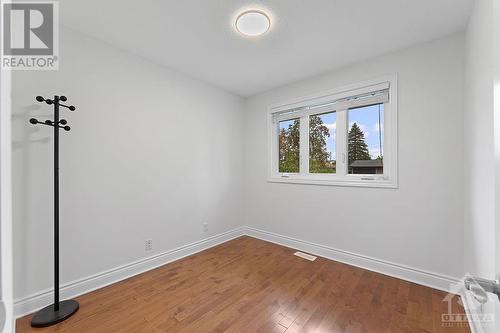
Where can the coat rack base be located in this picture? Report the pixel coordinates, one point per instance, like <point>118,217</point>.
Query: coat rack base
<point>47,316</point>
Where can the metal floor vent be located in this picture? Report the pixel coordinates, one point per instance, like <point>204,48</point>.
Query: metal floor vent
<point>305,256</point>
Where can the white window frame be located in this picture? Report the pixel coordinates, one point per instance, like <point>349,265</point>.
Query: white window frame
<point>389,179</point>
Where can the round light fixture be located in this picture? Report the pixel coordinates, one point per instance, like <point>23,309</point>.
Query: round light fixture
<point>253,23</point>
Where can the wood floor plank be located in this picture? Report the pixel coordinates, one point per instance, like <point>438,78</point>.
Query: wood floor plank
<point>249,285</point>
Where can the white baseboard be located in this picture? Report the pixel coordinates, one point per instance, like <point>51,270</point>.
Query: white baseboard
<point>419,276</point>
<point>72,289</point>
<point>37,301</point>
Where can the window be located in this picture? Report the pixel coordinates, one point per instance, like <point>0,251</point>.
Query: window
<point>289,145</point>
<point>365,144</point>
<point>344,137</point>
<point>322,143</point>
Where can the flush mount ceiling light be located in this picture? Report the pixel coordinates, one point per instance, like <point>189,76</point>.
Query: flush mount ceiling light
<point>253,23</point>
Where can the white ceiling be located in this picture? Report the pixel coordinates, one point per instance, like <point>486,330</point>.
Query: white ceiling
<point>307,37</point>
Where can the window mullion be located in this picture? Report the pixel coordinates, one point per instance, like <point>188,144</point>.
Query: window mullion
<point>275,147</point>
<point>304,145</point>
<point>341,145</point>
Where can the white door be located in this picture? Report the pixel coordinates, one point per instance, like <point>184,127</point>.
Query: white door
<point>496,64</point>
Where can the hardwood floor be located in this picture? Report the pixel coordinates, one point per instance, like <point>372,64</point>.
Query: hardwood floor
<point>248,285</point>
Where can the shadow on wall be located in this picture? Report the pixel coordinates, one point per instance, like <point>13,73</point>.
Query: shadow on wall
<point>22,143</point>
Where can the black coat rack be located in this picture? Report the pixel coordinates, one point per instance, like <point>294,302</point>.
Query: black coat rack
<point>59,310</point>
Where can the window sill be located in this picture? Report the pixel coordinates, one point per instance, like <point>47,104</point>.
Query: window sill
<point>358,182</point>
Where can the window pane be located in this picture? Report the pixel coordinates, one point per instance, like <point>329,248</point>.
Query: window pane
<point>366,140</point>
<point>289,145</point>
<point>322,139</point>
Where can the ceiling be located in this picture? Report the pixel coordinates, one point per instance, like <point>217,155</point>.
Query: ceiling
<point>307,37</point>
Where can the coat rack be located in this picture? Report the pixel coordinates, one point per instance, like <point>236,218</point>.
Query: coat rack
<point>59,310</point>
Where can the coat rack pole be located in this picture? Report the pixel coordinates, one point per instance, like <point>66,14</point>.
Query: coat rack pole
<point>60,310</point>
<point>56,203</point>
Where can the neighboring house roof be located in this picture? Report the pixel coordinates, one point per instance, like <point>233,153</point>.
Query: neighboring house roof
<point>367,164</point>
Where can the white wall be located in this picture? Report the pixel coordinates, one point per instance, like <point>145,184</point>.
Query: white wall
<point>6,277</point>
<point>479,143</point>
<point>418,225</point>
<point>151,154</point>
<point>479,156</point>
<point>496,64</point>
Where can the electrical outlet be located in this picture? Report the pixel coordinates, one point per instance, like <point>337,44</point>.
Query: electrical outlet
<point>148,245</point>
<point>205,226</point>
